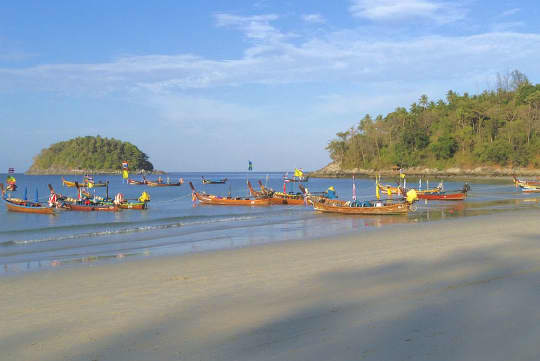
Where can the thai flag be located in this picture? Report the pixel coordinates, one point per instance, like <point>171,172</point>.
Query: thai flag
<point>11,170</point>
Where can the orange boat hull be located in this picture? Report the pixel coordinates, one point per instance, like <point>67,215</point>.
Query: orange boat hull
<point>22,209</point>
<point>342,208</point>
<point>215,200</point>
<point>443,197</point>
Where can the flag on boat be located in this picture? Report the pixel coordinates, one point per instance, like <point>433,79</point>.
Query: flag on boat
<point>125,167</point>
<point>298,173</point>
<point>11,170</point>
<point>353,190</point>
<point>250,165</point>
<point>89,180</point>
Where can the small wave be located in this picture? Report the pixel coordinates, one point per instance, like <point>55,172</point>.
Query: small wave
<point>146,228</point>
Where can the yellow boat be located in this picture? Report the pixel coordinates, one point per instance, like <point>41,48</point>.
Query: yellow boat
<point>67,183</point>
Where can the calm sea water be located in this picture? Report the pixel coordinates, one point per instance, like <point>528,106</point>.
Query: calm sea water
<point>172,225</point>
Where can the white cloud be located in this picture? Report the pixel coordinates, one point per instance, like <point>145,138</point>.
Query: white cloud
<point>440,12</point>
<point>254,27</point>
<point>507,26</point>
<point>509,12</point>
<point>336,58</point>
<point>313,18</point>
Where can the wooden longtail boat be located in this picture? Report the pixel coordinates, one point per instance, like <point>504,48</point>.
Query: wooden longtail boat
<point>386,207</point>
<point>136,182</point>
<point>528,188</point>
<point>161,184</point>
<point>22,206</point>
<point>396,190</point>
<point>67,183</point>
<point>446,196</point>
<point>228,201</point>
<point>376,207</point>
<point>296,180</point>
<point>525,182</point>
<point>209,181</point>
<point>277,198</point>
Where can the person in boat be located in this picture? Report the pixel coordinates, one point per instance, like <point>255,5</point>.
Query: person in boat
<point>331,193</point>
<point>160,180</point>
<point>145,197</point>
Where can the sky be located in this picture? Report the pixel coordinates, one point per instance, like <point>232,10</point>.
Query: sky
<point>208,85</point>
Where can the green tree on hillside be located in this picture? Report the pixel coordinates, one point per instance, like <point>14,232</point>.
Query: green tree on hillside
<point>499,127</point>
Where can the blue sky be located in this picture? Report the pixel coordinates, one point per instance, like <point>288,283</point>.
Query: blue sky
<point>207,85</point>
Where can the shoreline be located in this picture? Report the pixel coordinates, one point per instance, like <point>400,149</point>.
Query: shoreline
<point>81,172</point>
<point>333,170</point>
<point>431,290</point>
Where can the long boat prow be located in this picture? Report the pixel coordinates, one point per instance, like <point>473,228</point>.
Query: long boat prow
<point>251,190</point>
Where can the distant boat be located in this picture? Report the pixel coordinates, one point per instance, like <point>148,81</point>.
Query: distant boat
<point>530,188</point>
<point>209,181</point>
<point>525,182</point>
<point>160,183</point>
<point>446,196</point>
<point>136,182</point>
<point>86,184</point>
<point>296,180</point>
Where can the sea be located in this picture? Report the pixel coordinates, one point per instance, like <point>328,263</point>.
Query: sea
<point>174,225</point>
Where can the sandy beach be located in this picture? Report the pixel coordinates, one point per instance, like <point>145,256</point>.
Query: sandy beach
<point>458,289</point>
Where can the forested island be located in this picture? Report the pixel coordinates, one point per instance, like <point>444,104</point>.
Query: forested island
<point>89,154</point>
<point>498,128</point>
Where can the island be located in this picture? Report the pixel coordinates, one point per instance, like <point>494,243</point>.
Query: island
<point>90,154</point>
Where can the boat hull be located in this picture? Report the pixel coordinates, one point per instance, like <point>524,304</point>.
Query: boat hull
<point>13,207</point>
<point>219,201</point>
<point>136,205</point>
<point>91,208</point>
<point>288,201</point>
<point>443,197</point>
<point>530,188</point>
<point>155,184</point>
<point>207,181</point>
<point>71,184</point>
<point>395,190</point>
<point>341,207</point>
<point>136,182</point>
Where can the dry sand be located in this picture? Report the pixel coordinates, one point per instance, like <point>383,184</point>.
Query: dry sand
<point>461,289</point>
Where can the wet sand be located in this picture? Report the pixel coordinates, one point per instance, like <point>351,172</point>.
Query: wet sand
<point>459,289</point>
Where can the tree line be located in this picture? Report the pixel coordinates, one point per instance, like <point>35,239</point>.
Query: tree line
<point>91,153</point>
<point>496,127</point>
